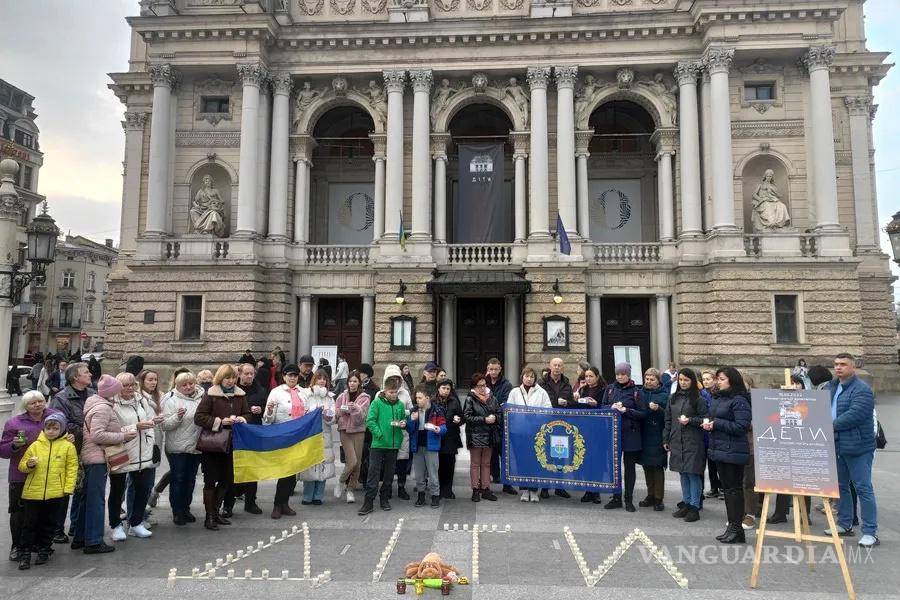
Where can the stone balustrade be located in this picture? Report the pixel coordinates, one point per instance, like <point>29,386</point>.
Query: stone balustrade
<point>337,255</point>
<point>479,254</point>
<point>627,253</point>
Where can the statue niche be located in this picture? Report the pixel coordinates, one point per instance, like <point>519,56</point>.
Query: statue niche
<point>765,183</point>
<point>209,201</point>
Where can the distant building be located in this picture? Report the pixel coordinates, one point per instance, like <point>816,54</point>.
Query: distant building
<point>19,141</point>
<point>70,304</point>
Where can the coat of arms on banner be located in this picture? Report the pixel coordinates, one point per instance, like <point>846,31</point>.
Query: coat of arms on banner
<point>562,438</point>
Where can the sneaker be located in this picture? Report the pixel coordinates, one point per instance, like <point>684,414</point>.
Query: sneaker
<point>535,497</point>
<point>749,522</point>
<point>562,493</point>
<point>435,501</point>
<point>711,494</point>
<point>77,545</point>
<point>100,548</point>
<point>139,531</point>
<point>43,557</point>
<point>153,499</point>
<point>614,502</point>
<point>24,561</point>
<point>350,497</point>
<point>777,518</point>
<point>402,493</point>
<point>60,538</point>
<point>118,534</point>
<point>841,531</point>
<point>14,554</point>
<point>420,499</point>
<point>526,496</point>
<point>866,541</point>
<point>487,494</point>
<point>339,489</point>
<point>629,506</point>
<point>385,504</point>
<point>179,520</point>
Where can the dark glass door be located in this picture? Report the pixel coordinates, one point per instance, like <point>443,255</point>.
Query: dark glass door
<point>340,324</point>
<point>626,322</point>
<point>479,326</point>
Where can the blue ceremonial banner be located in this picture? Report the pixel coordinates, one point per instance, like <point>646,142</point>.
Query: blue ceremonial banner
<point>562,448</point>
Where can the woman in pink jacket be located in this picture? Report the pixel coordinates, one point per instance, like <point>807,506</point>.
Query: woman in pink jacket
<point>352,408</point>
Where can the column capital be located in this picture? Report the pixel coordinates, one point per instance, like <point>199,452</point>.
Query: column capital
<point>521,141</point>
<point>302,147</point>
<point>662,296</point>
<point>394,80</point>
<point>439,143</point>
<point>718,59</point>
<point>583,141</point>
<point>254,74</point>
<point>281,82</point>
<point>858,105</point>
<point>421,79</point>
<point>135,120</point>
<point>538,77</point>
<point>379,140</point>
<point>686,72</point>
<point>664,138</point>
<point>162,74</point>
<point>818,57</point>
<point>565,76</point>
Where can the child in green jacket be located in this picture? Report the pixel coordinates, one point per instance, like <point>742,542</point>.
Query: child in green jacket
<point>386,422</point>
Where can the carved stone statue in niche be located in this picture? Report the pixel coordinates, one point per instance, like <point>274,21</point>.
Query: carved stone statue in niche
<point>208,210</point>
<point>769,212</point>
<point>441,97</point>
<point>377,99</point>
<point>519,96</point>
<point>305,97</point>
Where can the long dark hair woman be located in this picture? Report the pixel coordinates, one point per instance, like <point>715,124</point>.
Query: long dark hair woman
<point>683,438</point>
<point>728,424</point>
<point>448,401</point>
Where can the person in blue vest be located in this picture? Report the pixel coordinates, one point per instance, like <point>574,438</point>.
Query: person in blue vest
<point>853,413</point>
<point>624,396</point>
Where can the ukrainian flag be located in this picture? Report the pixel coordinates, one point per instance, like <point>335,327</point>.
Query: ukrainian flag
<point>264,452</point>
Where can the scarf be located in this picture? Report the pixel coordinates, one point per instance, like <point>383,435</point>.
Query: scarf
<point>297,408</point>
<point>482,396</point>
<point>352,396</point>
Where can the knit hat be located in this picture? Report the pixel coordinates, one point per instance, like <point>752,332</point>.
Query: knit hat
<point>818,375</point>
<point>108,386</point>
<point>58,417</point>
<point>623,367</point>
<point>367,369</point>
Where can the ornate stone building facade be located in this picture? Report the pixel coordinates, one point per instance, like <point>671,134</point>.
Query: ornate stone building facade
<point>302,172</point>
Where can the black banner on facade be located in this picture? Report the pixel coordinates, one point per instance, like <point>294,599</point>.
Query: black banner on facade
<point>481,214</point>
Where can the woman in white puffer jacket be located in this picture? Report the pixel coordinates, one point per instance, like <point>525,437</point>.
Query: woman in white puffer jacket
<point>284,403</point>
<point>314,478</point>
<point>181,433</point>
<point>529,393</point>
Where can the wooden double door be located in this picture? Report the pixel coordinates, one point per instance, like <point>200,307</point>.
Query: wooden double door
<point>626,322</point>
<point>340,324</point>
<point>479,335</point>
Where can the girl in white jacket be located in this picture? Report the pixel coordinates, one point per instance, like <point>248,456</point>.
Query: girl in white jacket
<point>529,393</point>
<point>285,402</point>
<point>313,478</point>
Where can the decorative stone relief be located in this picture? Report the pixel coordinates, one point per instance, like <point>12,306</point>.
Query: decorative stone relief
<point>376,99</point>
<point>512,4</point>
<point>421,80</point>
<point>339,86</point>
<point>374,6</point>
<point>621,2</point>
<point>306,95</point>
<point>480,82</point>
<point>213,86</point>
<point>281,82</point>
<point>857,105</point>
<point>253,74</point>
<point>588,3</point>
<point>394,81</point>
<point>767,129</point>
<point>538,77</point>
<point>207,139</point>
<point>479,5</point>
<point>136,120</point>
<point>718,59</point>
<point>510,93</point>
<point>311,7</point>
<point>818,57</point>
<point>343,7</point>
<point>586,96</point>
<point>519,97</point>
<point>565,76</point>
<point>442,94</point>
<point>162,74</point>
<point>625,77</point>
<point>446,5</point>
<point>665,91</point>
<point>761,67</point>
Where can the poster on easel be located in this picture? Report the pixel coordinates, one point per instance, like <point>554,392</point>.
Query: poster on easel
<point>793,439</point>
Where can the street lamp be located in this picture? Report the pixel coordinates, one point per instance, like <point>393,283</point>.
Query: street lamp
<point>401,294</point>
<point>893,231</point>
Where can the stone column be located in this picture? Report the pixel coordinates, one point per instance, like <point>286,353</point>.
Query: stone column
<point>861,111</point>
<point>378,140</point>
<point>718,62</point>
<point>252,75</point>
<point>706,149</point>
<point>394,82</point>
<point>134,125</point>
<point>278,179</point>
<point>11,209</point>
<point>163,78</point>
<point>595,329</point>
<point>367,352</point>
<point>263,157</point>
<point>565,147</point>
<point>301,200</point>
<point>818,62</point>
<point>665,149</point>
<point>582,143</point>
<point>520,140</point>
<point>538,183</point>
<point>512,360</point>
<point>689,130</point>
<point>421,80</point>
<point>304,324</point>
<point>439,143</point>
<point>448,335</point>
<point>663,330</point>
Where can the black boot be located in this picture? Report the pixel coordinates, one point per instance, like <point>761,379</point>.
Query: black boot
<point>487,494</point>
<point>14,554</point>
<point>386,504</point>
<point>476,495</point>
<point>435,502</point>
<point>210,522</point>
<point>777,518</point>
<point>588,496</point>
<point>508,489</point>
<point>209,504</point>
<point>629,505</point>
<point>43,555</point>
<point>693,514</point>
<point>736,536</point>
<point>24,560</point>
<point>401,493</point>
<point>658,505</point>
<point>614,502</point>
<point>725,533</point>
<point>420,499</point>
<point>366,508</point>
<point>682,511</point>
<point>648,501</point>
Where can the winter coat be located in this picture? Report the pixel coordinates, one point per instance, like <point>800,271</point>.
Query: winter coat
<point>140,449</point>
<point>181,434</point>
<point>381,412</point>
<point>687,453</point>
<point>452,440</point>
<point>478,433</point>
<point>652,427</point>
<point>635,412</point>
<point>500,390</point>
<point>555,390</point>
<point>281,396</point>
<point>101,428</point>
<point>54,474</point>
<point>433,415</point>
<point>313,400</point>
<point>256,395</point>
<point>217,405</point>
<point>353,421</point>
<point>854,434</point>
<point>72,407</point>
<point>597,393</point>
<point>406,401</point>
<point>732,419</point>
<point>536,397</point>
<point>32,430</point>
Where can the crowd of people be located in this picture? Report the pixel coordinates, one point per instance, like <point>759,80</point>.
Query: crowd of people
<point>91,431</point>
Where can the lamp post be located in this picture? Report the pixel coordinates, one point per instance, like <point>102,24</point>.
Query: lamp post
<point>893,231</point>
<point>41,251</point>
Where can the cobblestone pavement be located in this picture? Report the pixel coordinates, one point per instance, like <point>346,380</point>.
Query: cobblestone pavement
<point>533,560</point>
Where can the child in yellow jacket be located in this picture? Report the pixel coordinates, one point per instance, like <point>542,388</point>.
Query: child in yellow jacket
<point>51,463</point>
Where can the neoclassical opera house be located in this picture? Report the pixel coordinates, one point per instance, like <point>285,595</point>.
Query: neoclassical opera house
<point>656,180</point>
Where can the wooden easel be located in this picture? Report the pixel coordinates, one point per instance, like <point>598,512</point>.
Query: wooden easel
<point>802,534</point>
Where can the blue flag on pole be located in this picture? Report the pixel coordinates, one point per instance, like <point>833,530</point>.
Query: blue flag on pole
<point>562,448</point>
<point>564,245</point>
<point>402,234</point>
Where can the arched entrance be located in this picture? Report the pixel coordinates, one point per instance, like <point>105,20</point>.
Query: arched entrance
<point>480,174</point>
<point>342,178</point>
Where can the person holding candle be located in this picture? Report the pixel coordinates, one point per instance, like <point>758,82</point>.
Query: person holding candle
<point>683,439</point>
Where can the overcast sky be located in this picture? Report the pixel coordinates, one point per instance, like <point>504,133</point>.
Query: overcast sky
<point>61,50</point>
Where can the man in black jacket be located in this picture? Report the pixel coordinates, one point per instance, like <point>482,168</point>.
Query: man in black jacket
<point>500,388</point>
<point>368,385</point>
<point>306,364</point>
<point>559,389</point>
<point>256,396</point>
